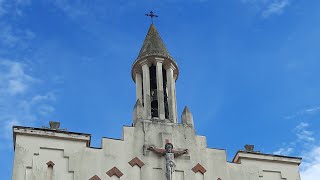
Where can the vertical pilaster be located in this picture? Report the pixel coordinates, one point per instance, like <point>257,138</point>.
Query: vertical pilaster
<point>138,85</point>
<point>175,96</point>
<point>160,93</point>
<point>146,89</point>
<point>171,93</point>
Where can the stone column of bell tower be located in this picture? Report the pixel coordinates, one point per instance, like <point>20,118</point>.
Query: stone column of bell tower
<point>155,72</point>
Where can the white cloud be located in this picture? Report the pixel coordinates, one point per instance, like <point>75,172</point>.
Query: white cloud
<point>72,8</point>
<point>284,151</point>
<point>13,78</point>
<point>310,168</point>
<point>303,134</point>
<point>50,96</point>
<point>45,109</point>
<point>12,6</point>
<point>12,36</point>
<point>276,7</point>
<point>307,111</point>
<point>8,38</point>
<point>11,33</point>
<point>20,101</point>
<point>268,8</point>
<point>304,138</point>
<point>312,110</point>
<point>309,149</point>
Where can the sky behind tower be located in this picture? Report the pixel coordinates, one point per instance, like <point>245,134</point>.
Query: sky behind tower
<point>249,70</point>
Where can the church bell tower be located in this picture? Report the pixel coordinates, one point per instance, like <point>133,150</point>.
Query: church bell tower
<point>155,73</point>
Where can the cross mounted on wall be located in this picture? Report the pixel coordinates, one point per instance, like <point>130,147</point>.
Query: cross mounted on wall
<point>169,153</point>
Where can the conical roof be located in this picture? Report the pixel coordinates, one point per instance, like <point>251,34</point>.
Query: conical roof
<point>153,44</point>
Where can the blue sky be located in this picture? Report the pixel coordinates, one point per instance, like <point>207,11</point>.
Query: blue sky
<point>249,69</point>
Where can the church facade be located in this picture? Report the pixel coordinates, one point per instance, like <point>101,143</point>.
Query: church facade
<point>155,147</point>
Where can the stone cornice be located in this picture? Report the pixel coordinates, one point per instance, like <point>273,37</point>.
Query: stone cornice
<point>267,157</point>
<point>49,133</point>
<point>145,62</point>
<point>152,59</point>
<point>169,66</point>
<point>159,60</point>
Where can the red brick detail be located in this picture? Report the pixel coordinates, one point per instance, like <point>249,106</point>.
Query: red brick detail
<point>50,164</point>
<point>95,177</point>
<point>136,161</point>
<point>199,168</point>
<point>114,172</point>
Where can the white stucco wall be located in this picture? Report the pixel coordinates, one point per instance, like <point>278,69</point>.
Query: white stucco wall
<point>271,167</point>
<point>74,160</point>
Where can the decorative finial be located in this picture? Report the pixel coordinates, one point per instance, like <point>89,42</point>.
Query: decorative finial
<point>151,15</point>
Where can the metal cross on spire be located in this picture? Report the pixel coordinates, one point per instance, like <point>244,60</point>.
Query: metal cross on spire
<point>152,15</point>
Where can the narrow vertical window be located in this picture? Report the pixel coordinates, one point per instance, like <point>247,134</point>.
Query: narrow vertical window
<point>136,164</point>
<point>165,93</point>
<point>153,91</point>
<point>50,170</point>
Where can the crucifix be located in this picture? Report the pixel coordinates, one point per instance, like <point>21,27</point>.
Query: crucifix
<point>151,15</point>
<point>169,154</point>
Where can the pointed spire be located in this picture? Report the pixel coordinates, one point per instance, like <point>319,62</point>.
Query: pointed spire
<point>187,117</point>
<point>153,44</point>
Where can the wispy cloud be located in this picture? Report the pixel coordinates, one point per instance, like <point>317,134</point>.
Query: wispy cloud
<point>284,151</point>
<point>268,8</point>
<point>12,37</point>
<point>303,134</point>
<point>304,112</point>
<point>13,7</point>
<point>276,7</point>
<point>24,100</point>
<point>12,34</point>
<point>309,148</point>
<point>13,78</point>
<point>304,138</point>
<point>310,169</point>
<point>20,101</point>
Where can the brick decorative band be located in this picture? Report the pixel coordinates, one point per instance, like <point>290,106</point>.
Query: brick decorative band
<point>95,177</point>
<point>114,172</point>
<point>199,168</point>
<point>136,161</point>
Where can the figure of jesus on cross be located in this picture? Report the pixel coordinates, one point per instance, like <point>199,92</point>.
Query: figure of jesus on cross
<point>169,154</point>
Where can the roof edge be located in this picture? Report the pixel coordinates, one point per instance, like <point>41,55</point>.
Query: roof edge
<point>236,157</point>
<point>29,131</point>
